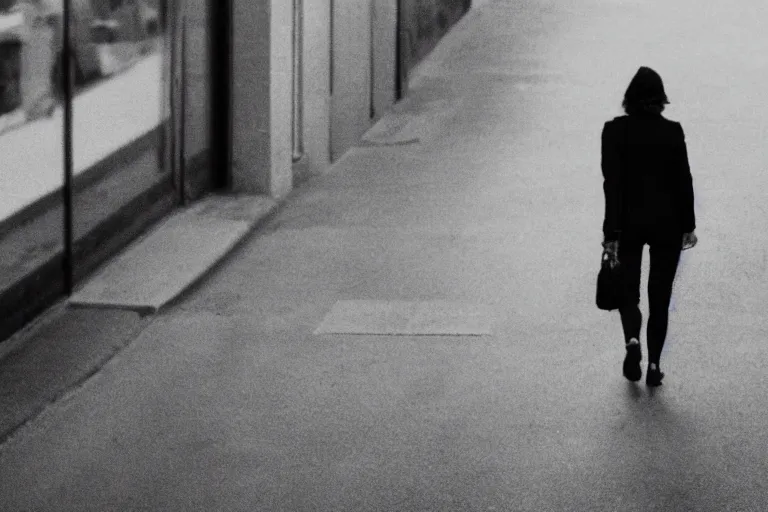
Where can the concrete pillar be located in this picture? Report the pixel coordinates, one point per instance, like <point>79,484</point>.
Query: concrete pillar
<point>261,90</point>
<point>350,102</point>
<point>317,93</point>
<point>194,122</point>
<point>384,56</point>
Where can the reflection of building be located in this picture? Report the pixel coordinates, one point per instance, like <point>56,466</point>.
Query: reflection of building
<point>85,61</point>
<point>27,60</point>
<point>106,35</point>
<point>135,19</point>
<point>246,97</point>
<point>10,62</point>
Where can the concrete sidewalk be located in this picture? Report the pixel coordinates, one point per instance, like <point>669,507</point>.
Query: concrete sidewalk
<point>481,193</point>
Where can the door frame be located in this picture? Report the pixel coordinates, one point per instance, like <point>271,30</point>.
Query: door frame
<point>177,68</point>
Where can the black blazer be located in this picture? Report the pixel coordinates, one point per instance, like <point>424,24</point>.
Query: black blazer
<point>646,177</point>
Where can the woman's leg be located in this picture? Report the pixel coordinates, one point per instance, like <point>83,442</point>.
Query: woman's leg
<point>630,258</point>
<point>664,260</point>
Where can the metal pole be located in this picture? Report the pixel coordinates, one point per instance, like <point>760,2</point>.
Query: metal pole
<point>331,77</point>
<point>399,51</point>
<point>66,74</point>
<point>297,114</point>
<point>371,61</point>
<point>293,83</point>
<point>331,46</point>
<point>182,112</point>
<point>169,47</point>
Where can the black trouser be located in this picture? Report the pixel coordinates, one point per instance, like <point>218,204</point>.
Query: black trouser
<point>665,255</point>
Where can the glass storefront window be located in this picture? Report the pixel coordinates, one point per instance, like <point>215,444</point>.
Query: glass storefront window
<point>120,120</point>
<point>31,164</point>
<point>140,134</point>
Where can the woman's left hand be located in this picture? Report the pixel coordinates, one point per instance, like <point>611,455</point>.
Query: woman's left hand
<point>689,240</point>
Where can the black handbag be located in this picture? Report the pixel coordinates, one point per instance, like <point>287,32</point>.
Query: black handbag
<point>610,285</point>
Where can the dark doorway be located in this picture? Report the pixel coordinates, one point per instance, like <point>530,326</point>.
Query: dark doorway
<point>221,93</point>
<point>401,67</point>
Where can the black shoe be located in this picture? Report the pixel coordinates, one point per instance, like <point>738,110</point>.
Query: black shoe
<point>632,369</point>
<point>653,377</point>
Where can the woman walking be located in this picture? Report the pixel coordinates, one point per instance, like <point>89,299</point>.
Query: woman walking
<point>648,200</point>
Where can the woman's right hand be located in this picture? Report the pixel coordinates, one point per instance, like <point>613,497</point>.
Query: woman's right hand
<point>689,240</point>
<point>612,250</point>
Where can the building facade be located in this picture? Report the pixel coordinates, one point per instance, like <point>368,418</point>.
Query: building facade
<point>171,100</point>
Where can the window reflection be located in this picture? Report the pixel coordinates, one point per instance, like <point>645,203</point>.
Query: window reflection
<point>31,162</point>
<point>130,157</point>
<point>119,123</point>
<point>118,70</point>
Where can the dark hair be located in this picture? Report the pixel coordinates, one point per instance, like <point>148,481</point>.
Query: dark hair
<point>645,93</point>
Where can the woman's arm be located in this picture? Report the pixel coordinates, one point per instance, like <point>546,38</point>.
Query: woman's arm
<point>610,162</point>
<point>686,184</point>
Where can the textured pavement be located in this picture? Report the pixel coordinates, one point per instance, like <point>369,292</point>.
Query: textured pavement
<point>228,401</point>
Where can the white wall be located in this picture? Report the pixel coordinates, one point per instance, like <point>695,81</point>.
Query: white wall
<point>262,84</point>
<point>316,60</point>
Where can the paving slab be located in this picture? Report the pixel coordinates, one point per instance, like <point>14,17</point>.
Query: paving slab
<point>406,318</point>
<point>58,354</point>
<point>160,266</point>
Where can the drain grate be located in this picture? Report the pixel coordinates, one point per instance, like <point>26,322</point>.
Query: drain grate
<point>433,318</point>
